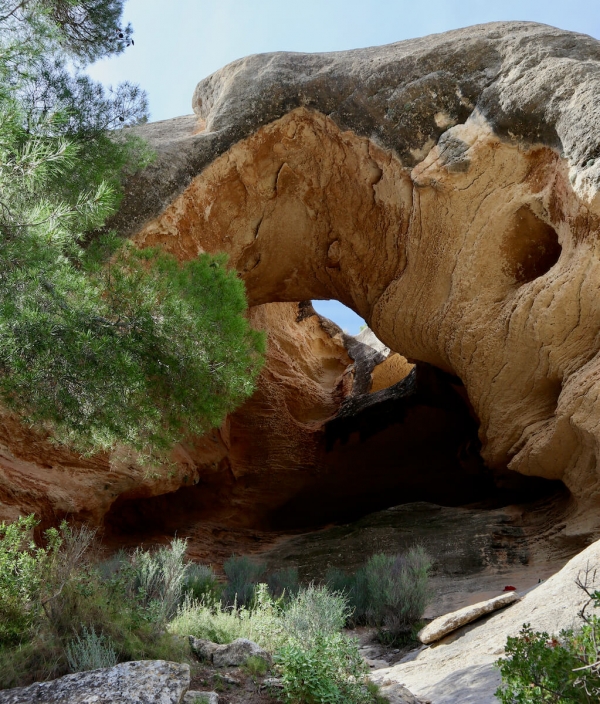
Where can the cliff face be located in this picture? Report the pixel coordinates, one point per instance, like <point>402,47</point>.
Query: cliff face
<point>446,189</point>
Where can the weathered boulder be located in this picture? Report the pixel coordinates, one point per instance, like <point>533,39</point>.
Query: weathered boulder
<point>448,623</point>
<point>140,682</point>
<point>229,654</point>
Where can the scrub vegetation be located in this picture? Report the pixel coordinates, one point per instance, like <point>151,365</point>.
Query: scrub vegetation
<point>65,608</point>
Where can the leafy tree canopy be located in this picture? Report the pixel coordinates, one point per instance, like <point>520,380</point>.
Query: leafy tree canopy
<point>100,343</point>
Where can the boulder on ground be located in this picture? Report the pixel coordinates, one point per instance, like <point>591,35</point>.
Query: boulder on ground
<point>443,625</point>
<point>227,655</point>
<point>141,682</point>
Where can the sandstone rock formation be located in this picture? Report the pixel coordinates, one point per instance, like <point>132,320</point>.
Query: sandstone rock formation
<point>460,670</point>
<point>446,189</point>
<point>140,682</point>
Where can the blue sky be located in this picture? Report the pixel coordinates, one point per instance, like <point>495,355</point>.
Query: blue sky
<point>179,42</point>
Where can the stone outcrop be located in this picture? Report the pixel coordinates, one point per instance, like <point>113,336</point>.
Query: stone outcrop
<point>451,622</point>
<point>460,669</point>
<point>140,682</point>
<point>445,188</point>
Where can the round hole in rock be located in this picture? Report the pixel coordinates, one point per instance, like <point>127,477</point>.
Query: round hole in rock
<point>530,248</point>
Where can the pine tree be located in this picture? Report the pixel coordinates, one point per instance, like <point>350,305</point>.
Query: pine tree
<point>100,343</point>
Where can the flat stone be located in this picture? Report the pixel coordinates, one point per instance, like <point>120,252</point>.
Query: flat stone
<point>443,625</point>
<point>140,682</point>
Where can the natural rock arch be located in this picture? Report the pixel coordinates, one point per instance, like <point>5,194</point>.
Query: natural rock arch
<point>444,188</point>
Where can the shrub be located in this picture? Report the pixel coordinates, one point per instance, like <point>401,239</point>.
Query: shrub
<point>256,666</point>
<point>90,651</point>
<point>200,583</point>
<point>284,582</point>
<point>223,624</point>
<point>326,670</point>
<point>61,591</point>
<point>390,591</point>
<point>159,579</point>
<point>558,669</point>
<point>242,577</point>
<point>355,588</point>
<point>315,611</point>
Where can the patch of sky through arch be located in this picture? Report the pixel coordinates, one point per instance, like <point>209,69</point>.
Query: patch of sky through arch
<point>341,315</point>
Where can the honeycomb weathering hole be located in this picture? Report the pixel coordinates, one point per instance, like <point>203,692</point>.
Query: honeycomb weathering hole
<point>531,247</point>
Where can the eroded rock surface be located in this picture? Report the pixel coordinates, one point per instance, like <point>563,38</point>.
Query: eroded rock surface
<point>448,623</point>
<point>445,188</point>
<point>460,669</point>
<point>140,682</point>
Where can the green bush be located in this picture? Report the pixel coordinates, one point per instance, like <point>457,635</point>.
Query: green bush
<point>315,611</point>
<point>262,623</point>
<point>201,583</point>
<point>242,577</point>
<point>256,666</point>
<point>543,668</point>
<point>284,582</point>
<point>48,594</point>
<point>563,669</point>
<point>90,651</point>
<point>158,579</point>
<point>327,669</point>
<point>390,591</point>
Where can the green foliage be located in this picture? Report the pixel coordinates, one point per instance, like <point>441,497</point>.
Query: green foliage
<point>262,623</point>
<point>58,591</point>
<point>200,584</point>
<point>390,591</point>
<point>22,566</point>
<point>563,669</point>
<point>328,669</point>
<point>315,610</point>
<point>99,343</point>
<point>158,578</point>
<point>242,577</point>
<point>256,666</point>
<point>284,582</point>
<point>90,651</point>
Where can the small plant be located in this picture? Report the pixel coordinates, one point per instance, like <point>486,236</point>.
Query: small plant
<point>200,582</point>
<point>326,670</point>
<point>390,592</point>
<point>255,666</point>
<point>90,651</point>
<point>223,624</point>
<point>159,579</point>
<point>242,577</point>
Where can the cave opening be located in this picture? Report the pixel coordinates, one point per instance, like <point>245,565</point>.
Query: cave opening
<point>403,437</point>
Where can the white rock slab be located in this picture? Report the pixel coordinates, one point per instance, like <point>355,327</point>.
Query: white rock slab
<point>140,682</point>
<point>443,625</point>
<point>462,671</point>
